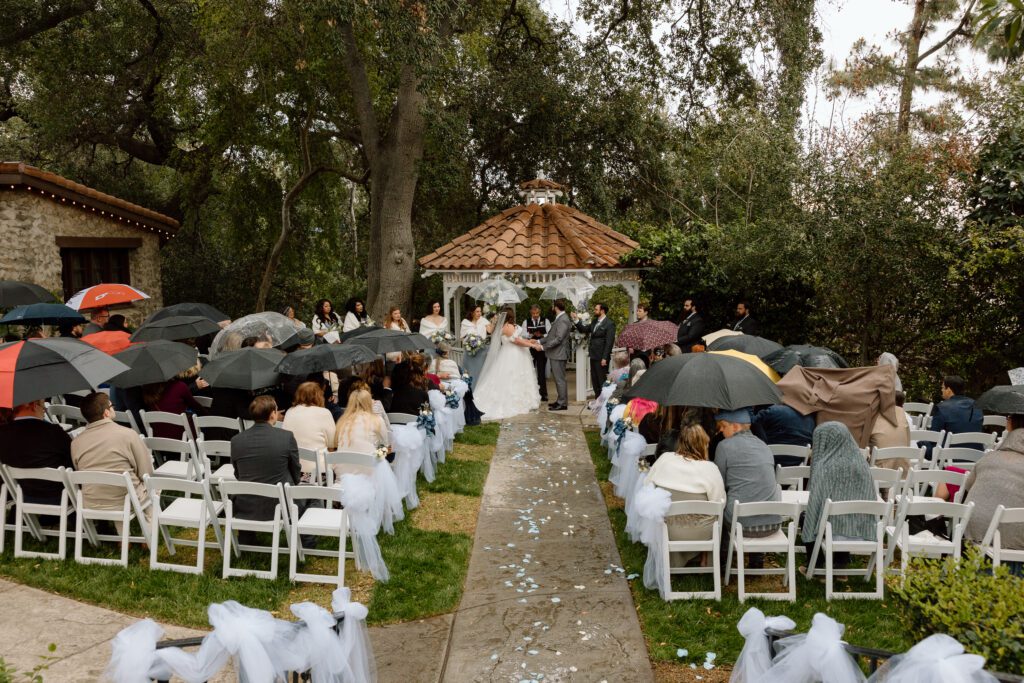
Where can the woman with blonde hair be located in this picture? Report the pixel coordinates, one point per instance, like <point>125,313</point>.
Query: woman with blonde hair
<point>360,429</point>
<point>310,421</point>
<point>688,475</point>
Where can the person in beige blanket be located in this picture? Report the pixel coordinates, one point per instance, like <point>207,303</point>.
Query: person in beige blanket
<point>105,446</point>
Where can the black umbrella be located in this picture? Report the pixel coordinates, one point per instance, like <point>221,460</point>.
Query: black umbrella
<point>203,310</point>
<point>176,327</point>
<point>40,368</point>
<point>786,359</point>
<point>389,341</point>
<point>707,380</point>
<point>42,314</point>
<point>155,361</point>
<point>359,331</point>
<point>746,343</point>
<point>325,357</point>
<point>1003,400</point>
<point>249,368</point>
<point>14,293</point>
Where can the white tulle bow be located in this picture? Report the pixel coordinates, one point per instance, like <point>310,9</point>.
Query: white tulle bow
<point>408,442</point>
<point>815,656</point>
<point>651,505</point>
<point>358,499</point>
<point>756,657</point>
<point>936,659</point>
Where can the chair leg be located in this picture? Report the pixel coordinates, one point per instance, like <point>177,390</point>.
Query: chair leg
<point>275,547</point>
<point>828,565</point>
<point>741,577</point>
<point>728,558</point>
<point>126,532</point>
<point>293,552</point>
<point>791,570</point>
<point>79,528</point>
<point>226,555</point>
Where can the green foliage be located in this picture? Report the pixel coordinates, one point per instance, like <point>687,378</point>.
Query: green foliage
<point>8,674</point>
<point>982,609</point>
<point>1000,27</point>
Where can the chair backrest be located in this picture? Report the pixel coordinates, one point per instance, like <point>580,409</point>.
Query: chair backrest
<point>957,513</point>
<point>179,446</point>
<point>327,494</point>
<point>229,488</point>
<point>349,458</point>
<point>215,422</point>
<point>401,418</point>
<point>155,485</point>
<point>650,449</point>
<point>1003,515</point>
<point>64,414</point>
<point>885,479</point>
<point>916,408</point>
<point>875,508</point>
<point>782,449</point>
<point>126,419</point>
<point>214,448</point>
<point>695,507</point>
<point>994,421</point>
<point>311,456</point>
<point>16,474</point>
<point>792,476</point>
<point>965,458</point>
<point>151,417</point>
<point>76,479</point>
<point>914,454</point>
<point>204,401</point>
<point>984,438</point>
<point>246,424</point>
<point>918,479</point>
<point>786,510</point>
<point>928,436</point>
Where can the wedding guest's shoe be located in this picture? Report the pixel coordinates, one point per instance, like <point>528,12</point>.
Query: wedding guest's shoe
<point>560,408</point>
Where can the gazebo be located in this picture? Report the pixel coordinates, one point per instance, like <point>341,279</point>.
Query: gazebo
<point>535,243</point>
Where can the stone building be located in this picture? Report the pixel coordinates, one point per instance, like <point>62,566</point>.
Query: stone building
<point>65,236</point>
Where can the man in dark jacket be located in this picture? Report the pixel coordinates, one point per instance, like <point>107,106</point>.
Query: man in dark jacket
<point>265,455</point>
<point>745,322</point>
<point>785,426</point>
<point>30,441</point>
<point>691,329</point>
<point>957,413</point>
<point>602,338</point>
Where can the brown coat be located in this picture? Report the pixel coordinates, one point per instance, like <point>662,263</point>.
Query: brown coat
<point>108,447</point>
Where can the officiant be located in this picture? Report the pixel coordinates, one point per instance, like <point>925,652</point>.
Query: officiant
<point>602,338</point>
<point>535,327</point>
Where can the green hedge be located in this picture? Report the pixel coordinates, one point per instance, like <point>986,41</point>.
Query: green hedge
<point>966,600</point>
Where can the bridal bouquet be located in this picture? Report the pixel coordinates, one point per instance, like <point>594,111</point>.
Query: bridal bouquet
<point>473,343</point>
<point>382,452</point>
<point>426,419</point>
<point>369,322</point>
<point>451,399</point>
<point>441,336</point>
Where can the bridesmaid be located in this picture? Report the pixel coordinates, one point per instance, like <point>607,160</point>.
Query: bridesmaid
<point>355,315</point>
<point>433,322</point>
<point>475,323</point>
<point>395,321</point>
<point>325,320</point>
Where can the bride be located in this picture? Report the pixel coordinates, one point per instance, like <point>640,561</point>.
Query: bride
<point>508,383</point>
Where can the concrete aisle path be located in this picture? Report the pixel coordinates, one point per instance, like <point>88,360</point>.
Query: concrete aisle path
<point>546,599</point>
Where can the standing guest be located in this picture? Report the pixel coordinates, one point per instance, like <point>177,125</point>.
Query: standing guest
<point>475,323</point>
<point>687,474</point>
<point>536,327</point>
<point>171,396</point>
<point>889,359</point>
<point>116,323</point>
<point>265,455</point>
<point>888,435</point>
<point>289,312</point>
<point>97,319</point>
<point>435,322</point>
<point>782,425</point>
<point>748,471</point>
<point>70,330</point>
<point>602,338</point>
<point>406,397</point>
<point>998,479</point>
<point>325,320</point>
<point>691,329</point>
<point>839,473</point>
<point>745,323</point>
<point>643,309</point>
<point>105,446</point>
<point>30,441</point>
<point>310,421</point>
<point>355,315</point>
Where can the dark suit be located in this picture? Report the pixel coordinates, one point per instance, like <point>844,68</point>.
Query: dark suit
<point>602,339</point>
<point>536,329</point>
<point>748,325</point>
<point>29,443</point>
<point>266,455</point>
<point>956,415</point>
<point>691,331</point>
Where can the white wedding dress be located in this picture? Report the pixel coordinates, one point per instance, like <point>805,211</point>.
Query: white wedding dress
<point>508,383</point>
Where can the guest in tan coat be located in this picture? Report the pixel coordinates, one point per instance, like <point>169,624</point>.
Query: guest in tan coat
<point>886,434</point>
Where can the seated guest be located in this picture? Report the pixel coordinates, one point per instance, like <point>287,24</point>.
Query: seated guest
<point>620,365</point>
<point>420,377</point>
<point>360,430</point>
<point>116,323</point>
<point>442,366</point>
<point>688,475</point>
<point>171,396</point>
<point>310,421</point>
<point>838,472</point>
<point>956,413</point>
<point>405,396</point>
<point>748,470</point>
<point>30,441</point>
<point>783,425</point>
<point>888,435</point>
<point>379,382</point>
<point>265,455</point>
<point>105,446</point>
<point>998,479</point>
<point>97,319</point>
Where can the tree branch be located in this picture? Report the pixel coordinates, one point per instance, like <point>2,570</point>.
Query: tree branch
<point>46,21</point>
<point>362,98</point>
<point>960,29</point>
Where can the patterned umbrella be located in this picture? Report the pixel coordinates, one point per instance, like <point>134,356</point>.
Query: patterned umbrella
<point>104,295</point>
<point>40,368</point>
<point>497,291</point>
<point>14,293</point>
<point>647,334</point>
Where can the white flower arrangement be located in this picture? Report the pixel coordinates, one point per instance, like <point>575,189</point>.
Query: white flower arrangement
<point>441,336</point>
<point>369,322</point>
<point>382,452</point>
<point>473,343</point>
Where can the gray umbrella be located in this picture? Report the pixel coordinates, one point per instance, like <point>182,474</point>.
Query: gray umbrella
<point>175,328</point>
<point>706,380</point>
<point>325,357</point>
<point>40,368</point>
<point>155,361</point>
<point>390,341</point>
<point>249,368</point>
<point>784,360</point>
<point>205,310</point>
<point>42,314</point>
<point>14,293</point>
<point>1003,400</point>
<point>747,343</point>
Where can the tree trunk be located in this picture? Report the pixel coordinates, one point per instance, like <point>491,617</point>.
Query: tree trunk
<point>913,49</point>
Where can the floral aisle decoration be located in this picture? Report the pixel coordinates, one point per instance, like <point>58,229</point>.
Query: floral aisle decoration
<point>426,419</point>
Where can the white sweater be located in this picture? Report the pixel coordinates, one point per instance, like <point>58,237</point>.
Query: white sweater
<point>676,473</point>
<point>313,427</point>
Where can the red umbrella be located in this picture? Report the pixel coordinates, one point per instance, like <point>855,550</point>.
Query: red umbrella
<point>112,342</point>
<point>647,334</point>
<point>104,295</point>
<point>40,368</point>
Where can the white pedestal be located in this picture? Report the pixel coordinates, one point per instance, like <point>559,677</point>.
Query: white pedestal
<point>582,373</point>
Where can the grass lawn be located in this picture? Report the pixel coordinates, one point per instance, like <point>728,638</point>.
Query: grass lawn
<point>702,626</point>
<point>427,556</point>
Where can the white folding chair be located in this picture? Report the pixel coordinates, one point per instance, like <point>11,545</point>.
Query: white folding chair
<point>986,440</point>
<point>126,419</point>
<point>315,458</point>
<point>992,544</point>
<point>826,542</point>
<point>402,418</point>
<point>271,526</point>
<point>918,481</point>
<point>650,449</point>
<point>927,436</point>
<point>964,458</point>
<point>65,415</point>
<point>914,455</point>
<point>711,545</point>
<point>204,401</point>
<point>208,450</point>
<point>994,421</point>
<point>332,458</point>
<point>919,411</point>
<point>781,450</point>
<point>185,467</point>
<point>925,543</point>
<point>27,514</point>
<point>316,521</point>
<point>887,482</point>
<point>183,512</point>
<point>204,422</point>
<point>793,478</point>
<point>782,541</point>
<point>85,516</point>
<point>246,424</point>
<point>153,417</point>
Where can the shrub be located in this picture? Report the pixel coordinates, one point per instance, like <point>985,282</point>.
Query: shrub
<point>966,600</point>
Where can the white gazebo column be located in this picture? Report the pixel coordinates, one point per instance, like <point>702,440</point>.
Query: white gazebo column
<point>449,288</point>
<point>582,373</point>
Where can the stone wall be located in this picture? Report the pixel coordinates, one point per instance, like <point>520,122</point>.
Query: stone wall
<point>29,226</point>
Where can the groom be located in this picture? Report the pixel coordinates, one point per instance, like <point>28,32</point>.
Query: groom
<point>556,346</point>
